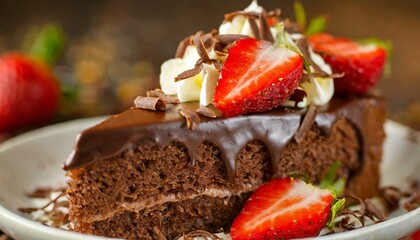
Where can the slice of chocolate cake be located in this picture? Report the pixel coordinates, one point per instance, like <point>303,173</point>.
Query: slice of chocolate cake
<point>141,173</point>
<point>172,165</point>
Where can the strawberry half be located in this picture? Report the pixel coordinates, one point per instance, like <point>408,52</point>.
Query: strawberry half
<point>362,65</point>
<point>257,76</point>
<point>283,209</point>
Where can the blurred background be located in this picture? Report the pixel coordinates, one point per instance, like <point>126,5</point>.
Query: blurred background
<point>114,49</point>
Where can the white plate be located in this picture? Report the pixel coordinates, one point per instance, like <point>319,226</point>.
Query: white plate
<point>34,160</point>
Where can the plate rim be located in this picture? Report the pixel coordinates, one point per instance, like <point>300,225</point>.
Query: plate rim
<point>11,218</point>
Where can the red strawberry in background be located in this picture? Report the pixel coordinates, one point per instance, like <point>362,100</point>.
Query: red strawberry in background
<point>257,76</point>
<point>283,209</point>
<point>29,92</point>
<point>362,65</point>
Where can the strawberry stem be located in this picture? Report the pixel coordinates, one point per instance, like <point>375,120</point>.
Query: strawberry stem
<point>47,44</point>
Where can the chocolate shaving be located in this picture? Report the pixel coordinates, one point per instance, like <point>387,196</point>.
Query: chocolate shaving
<point>200,234</point>
<point>265,32</point>
<point>207,112</point>
<point>306,124</point>
<point>150,103</point>
<point>191,72</point>
<point>254,28</point>
<point>225,40</point>
<point>370,206</point>
<point>182,46</point>
<point>208,39</point>
<point>392,196</point>
<point>302,44</point>
<point>304,78</point>
<point>158,93</point>
<point>42,192</point>
<point>201,48</point>
<point>57,217</point>
<point>159,233</point>
<point>191,118</point>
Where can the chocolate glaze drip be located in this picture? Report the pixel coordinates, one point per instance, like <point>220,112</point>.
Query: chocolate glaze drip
<point>275,128</point>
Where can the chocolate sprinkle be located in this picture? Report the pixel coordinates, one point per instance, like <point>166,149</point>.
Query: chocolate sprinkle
<point>191,118</point>
<point>158,93</point>
<point>150,103</point>
<point>207,112</point>
<point>306,124</point>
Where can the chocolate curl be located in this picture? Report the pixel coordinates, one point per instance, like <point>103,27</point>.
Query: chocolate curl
<point>182,46</point>
<point>191,72</point>
<point>150,103</point>
<point>265,32</point>
<point>209,40</point>
<point>201,48</point>
<point>307,122</point>
<point>254,28</point>
<point>207,112</point>
<point>158,93</point>
<point>191,118</point>
<point>223,40</point>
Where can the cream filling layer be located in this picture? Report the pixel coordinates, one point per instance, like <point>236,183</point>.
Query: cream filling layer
<point>152,202</point>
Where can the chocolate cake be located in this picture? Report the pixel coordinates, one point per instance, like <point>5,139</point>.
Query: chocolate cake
<point>141,173</point>
<point>240,106</point>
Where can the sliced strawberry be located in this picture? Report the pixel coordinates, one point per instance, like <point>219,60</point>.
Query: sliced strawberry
<point>362,65</point>
<point>257,76</point>
<point>283,209</point>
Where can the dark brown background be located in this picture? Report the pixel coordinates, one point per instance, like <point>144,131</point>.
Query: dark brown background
<point>124,32</point>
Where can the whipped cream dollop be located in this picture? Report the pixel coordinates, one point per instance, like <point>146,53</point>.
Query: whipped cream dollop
<point>201,87</point>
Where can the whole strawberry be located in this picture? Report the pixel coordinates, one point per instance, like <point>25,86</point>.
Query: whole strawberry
<point>256,77</point>
<point>283,209</point>
<point>362,65</point>
<point>29,93</point>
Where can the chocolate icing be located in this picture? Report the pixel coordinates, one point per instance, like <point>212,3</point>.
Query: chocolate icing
<point>275,128</point>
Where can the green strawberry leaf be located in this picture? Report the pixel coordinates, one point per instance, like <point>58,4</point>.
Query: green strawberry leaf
<point>300,15</point>
<point>334,210</point>
<point>317,25</point>
<point>47,43</point>
<point>389,48</point>
<point>330,181</point>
